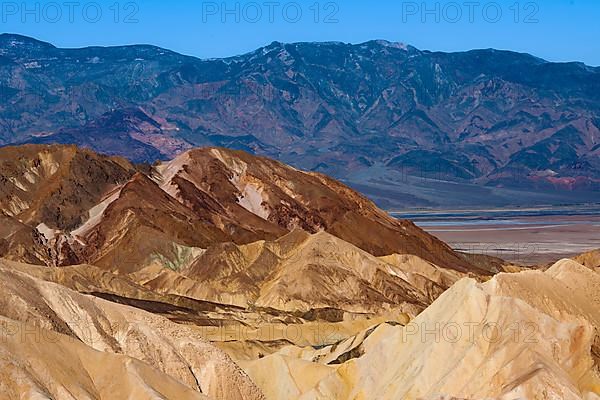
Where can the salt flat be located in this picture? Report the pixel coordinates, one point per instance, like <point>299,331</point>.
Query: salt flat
<point>523,235</point>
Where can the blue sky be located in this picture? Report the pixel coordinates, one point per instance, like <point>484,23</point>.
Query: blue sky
<point>557,30</point>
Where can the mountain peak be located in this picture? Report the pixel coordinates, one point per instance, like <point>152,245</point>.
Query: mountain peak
<point>387,43</point>
<point>19,47</point>
<point>13,40</point>
<point>276,43</point>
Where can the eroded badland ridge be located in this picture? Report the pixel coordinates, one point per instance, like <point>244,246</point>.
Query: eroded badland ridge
<point>224,275</point>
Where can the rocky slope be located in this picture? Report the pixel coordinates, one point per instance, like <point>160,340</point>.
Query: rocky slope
<point>526,335</point>
<point>290,198</point>
<point>56,185</point>
<point>590,259</point>
<point>377,113</point>
<point>59,367</point>
<point>303,273</point>
<point>102,341</point>
<point>530,334</point>
<point>100,210</point>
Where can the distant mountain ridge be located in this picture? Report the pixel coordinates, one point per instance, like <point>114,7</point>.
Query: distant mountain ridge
<point>371,114</point>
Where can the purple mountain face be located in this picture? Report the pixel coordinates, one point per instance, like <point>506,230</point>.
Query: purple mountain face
<point>405,126</point>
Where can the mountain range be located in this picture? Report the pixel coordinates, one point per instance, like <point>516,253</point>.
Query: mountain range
<point>405,126</point>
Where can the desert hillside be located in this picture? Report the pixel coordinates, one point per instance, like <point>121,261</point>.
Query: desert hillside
<point>222,275</point>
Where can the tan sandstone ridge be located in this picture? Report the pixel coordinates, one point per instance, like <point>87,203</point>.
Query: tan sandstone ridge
<point>590,259</point>
<point>301,272</point>
<point>43,365</point>
<point>276,291</point>
<point>91,330</point>
<point>529,335</point>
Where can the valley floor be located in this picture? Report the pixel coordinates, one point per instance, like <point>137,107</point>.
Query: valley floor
<point>520,236</point>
